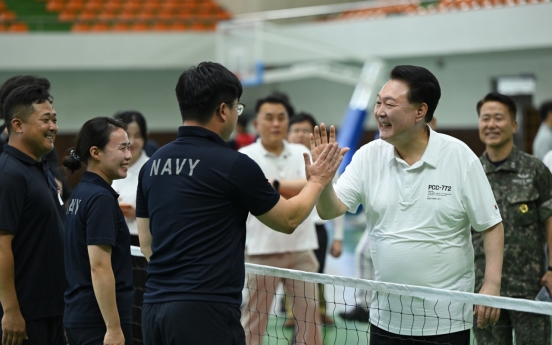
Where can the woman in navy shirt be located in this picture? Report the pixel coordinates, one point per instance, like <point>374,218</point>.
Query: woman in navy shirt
<point>98,302</point>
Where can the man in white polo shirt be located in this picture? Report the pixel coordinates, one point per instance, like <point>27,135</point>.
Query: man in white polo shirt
<point>422,191</point>
<point>283,164</point>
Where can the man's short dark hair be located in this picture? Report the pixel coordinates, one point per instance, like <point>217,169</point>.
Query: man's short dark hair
<point>202,88</point>
<point>16,81</point>
<point>545,109</point>
<point>19,103</point>
<point>302,117</point>
<point>500,98</point>
<point>276,98</point>
<point>422,84</point>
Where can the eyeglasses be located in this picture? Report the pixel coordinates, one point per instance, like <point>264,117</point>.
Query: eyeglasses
<point>240,107</point>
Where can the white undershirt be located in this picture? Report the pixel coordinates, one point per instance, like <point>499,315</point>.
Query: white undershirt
<point>547,160</point>
<point>289,165</point>
<point>126,188</point>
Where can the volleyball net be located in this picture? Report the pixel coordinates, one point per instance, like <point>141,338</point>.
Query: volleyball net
<point>282,306</point>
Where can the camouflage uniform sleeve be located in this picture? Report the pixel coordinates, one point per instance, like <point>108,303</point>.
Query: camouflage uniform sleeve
<point>544,186</point>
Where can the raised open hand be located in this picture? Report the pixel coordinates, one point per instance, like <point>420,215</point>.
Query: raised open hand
<point>326,155</point>
<point>319,140</point>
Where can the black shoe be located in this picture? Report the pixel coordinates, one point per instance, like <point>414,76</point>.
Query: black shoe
<point>357,314</point>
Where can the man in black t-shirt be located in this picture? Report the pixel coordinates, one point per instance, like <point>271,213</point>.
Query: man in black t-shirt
<point>193,198</point>
<point>32,278</point>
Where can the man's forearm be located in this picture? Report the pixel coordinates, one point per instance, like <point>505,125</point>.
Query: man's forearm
<point>286,216</point>
<point>493,239</point>
<point>328,205</point>
<point>301,205</point>
<point>144,236</point>
<point>290,188</point>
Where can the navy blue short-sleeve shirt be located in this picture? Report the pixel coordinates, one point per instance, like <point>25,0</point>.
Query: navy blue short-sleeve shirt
<point>94,217</point>
<point>31,210</point>
<point>197,193</point>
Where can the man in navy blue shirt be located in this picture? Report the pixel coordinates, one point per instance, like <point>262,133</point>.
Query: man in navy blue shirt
<point>32,278</point>
<point>193,198</point>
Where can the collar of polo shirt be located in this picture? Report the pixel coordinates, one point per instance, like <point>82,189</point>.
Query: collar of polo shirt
<point>430,156</point>
<point>285,152</point>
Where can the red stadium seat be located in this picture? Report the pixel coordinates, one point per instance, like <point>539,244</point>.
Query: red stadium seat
<point>112,6</point>
<point>145,16</point>
<point>67,16</point>
<point>120,27</point>
<point>126,16</point>
<point>99,27</point>
<point>75,5</point>
<point>7,16</point>
<point>160,26</point>
<point>179,26</point>
<point>87,16</point>
<point>94,5</point>
<point>80,27</point>
<point>18,27</point>
<point>55,6</point>
<point>139,27</point>
<point>106,16</point>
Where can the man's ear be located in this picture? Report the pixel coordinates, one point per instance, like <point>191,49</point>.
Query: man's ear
<point>17,125</point>
<point>221,111</point>
<point>421,111</point>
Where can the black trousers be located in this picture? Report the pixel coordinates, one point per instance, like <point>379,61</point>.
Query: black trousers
<point>46,331</point>
<point>94,335</point>
<point>379,336</point>
<point>320,253</point>
<point>139,267</point>
<point>192,323</point>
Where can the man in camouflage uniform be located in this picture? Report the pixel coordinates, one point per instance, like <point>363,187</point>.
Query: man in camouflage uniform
<point>522,187</point>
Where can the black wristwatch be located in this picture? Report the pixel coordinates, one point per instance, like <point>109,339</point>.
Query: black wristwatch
<point>276,185</point>
<point>550,268</point>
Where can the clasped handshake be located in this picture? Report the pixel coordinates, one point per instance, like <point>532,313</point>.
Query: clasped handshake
<point>326,156</point>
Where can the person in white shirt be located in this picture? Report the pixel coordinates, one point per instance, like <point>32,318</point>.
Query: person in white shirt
<point>301,126</point>
<point>422,191</point>
<point>547,160</point>
<point>126,188</point>
<point>543,140</point>
<point>283,164</point>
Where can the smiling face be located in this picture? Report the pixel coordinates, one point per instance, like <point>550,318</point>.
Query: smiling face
<point>271,123</point>
<point>136,141</point>
<point>38,131</point>
<point>496,125</point>
<point>113,161</point>
<point>397,119</point>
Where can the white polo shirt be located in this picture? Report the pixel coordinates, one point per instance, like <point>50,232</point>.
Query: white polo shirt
<point>289,165</point>
<point>126,188</point>
<point>418,219</point>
